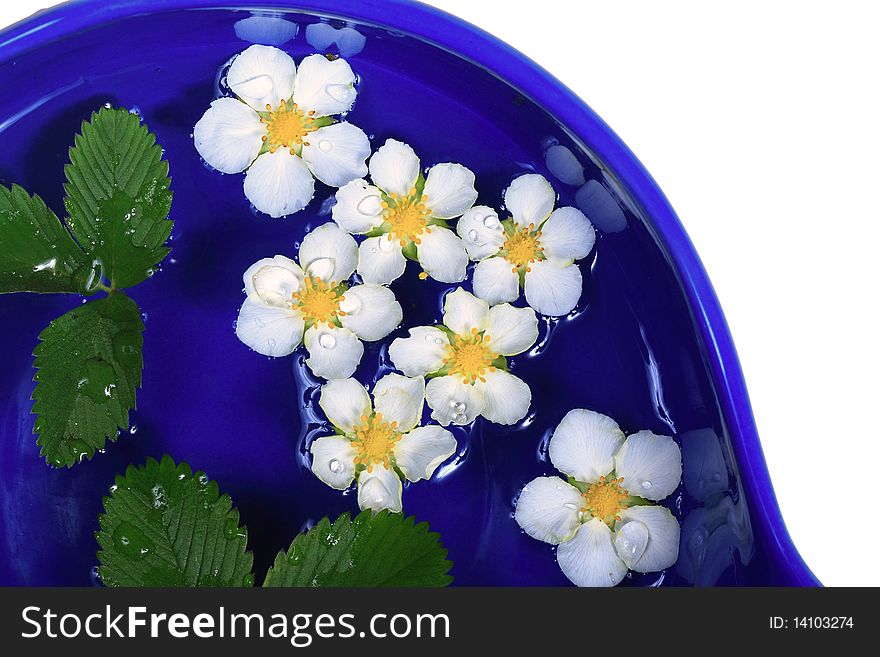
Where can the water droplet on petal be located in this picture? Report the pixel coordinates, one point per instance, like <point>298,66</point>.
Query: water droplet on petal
<point>647,485</point>
<point>473,235</point>
<point>335,465</point>
<point>327,341</point>
<point>321,268</point>
<point>570,506</point>
<point>491,221</point>
<point>460,407</point>
<point>271,343</point>
<point>370,206</point>
<point>350,304</point>
<point>631,540</point>
<point>325,145</point>
<point>340,92</point>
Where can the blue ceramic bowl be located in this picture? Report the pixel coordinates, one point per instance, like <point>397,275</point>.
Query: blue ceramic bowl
<point>648,345</point>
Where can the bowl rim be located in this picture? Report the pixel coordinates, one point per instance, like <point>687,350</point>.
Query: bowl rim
<point>481,48</point>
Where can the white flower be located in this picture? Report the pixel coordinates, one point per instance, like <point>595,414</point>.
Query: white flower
<point>602,521</point>
<point>405,216</point>
<point>379,440</point>
<point>279,128</point>
<point>311,302</point>
<point>466,360</point>
<point>536,248</point>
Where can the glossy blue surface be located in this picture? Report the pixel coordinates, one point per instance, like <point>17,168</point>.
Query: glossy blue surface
<point>648,344</point>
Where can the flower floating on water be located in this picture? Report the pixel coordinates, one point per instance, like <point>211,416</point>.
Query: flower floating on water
<point>311,302</point>
<point>465,358</point>
<point>602,518</point>
<point>404,215</point>
<point>379,442</point>
<point>280,128</point>
<point>534,249</point>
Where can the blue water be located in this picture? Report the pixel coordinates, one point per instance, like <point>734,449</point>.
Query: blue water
<point>630,350</point>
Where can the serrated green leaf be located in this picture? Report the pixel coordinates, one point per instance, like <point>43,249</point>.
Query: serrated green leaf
<point>118,195</point>
<point>37,254</point>
<point>165,526</point>
<point>89,364</point>
<point>382,550</point>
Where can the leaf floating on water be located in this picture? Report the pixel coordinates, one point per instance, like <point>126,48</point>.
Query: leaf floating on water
<point>382,550</point>
<point>165,526</point>
<point>89,364</point>
<point>37,254</point>
<point>118,196</point>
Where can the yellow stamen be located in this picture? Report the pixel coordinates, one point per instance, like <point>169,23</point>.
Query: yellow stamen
<point>523,247</point>
<point>605,500</point>
<point>374,441</point>
<point>408,216</point>
<point>287,126</point>
<point>470,357</point>
<point>318,301</point>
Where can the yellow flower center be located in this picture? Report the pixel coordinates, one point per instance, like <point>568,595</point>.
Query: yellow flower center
<point>470,357</point>
<point>523,247</point>
<point>374,441</point>
<point>408,217</point>
<point>287,126</point>
<point>318,301</point>
<point>605,500</point>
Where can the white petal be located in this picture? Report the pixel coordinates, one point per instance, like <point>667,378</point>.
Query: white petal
<point>481,231</point>
<point>334,353</point>
<point>548,509</point>
<point>345,402</point>
<point>268,330</point>
<point>358,207</point>
<point>394,168</point>
<point>529,199</point>
<point>452,401</point>
<point>328,242</point>
<point>553,289</point>
<point>421,353</point>
<point>584,444</point>
<point>462,311</point>
<point>371,311</point>
<point>449,190</point>
<point>400,399</point>
<point>273,280</point>
<point>590,559</point>
<point>442,255</point>
<point>567,235</point>
<point>512,330</point>
<point>333,461</point>
<point>279,183</point>
<point>323,86</point>
<point>228,136</point>
<point>337,154</point>
<point>507,397</point>
<point>262,75</point>
<point>380,260</point>
<point>380,489</point>
<point>663,534</point>
<point>420,451</point>
<point>495,281</point>
<point>650,465</point>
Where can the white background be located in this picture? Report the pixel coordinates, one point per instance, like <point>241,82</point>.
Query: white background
<point>761,122</point>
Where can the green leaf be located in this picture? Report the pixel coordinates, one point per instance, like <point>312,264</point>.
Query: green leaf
<point>165,526</point>
<point>382,550</point>
<point>37,254</point>
<point>118,196</point>
<point>89,364</point>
